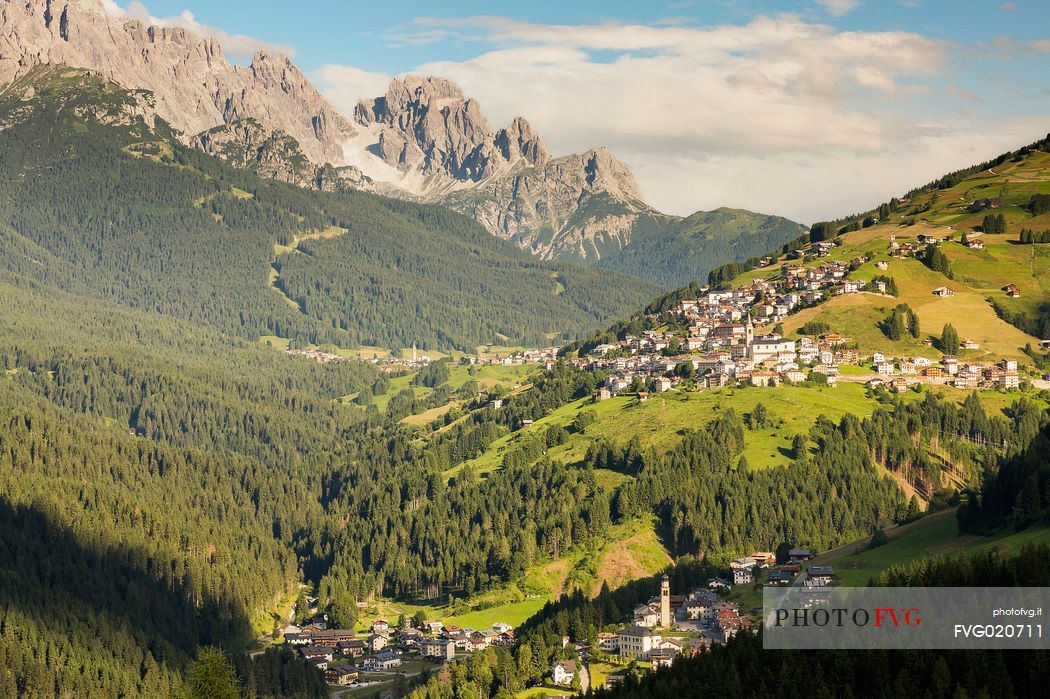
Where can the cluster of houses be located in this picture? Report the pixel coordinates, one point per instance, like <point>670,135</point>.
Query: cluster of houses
<point>343,655</point>
<point>722,348</point>
<point>703,617</point>
<point>711,619</point>
<point>415,360</point>
<point>898,374</point>
<point>731,353</point>
<point>746,568</point>
<point>542,355</point>
<point>924,241</point>
<point>720,340</point>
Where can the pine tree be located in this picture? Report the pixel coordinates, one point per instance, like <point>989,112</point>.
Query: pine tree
<point>914,509</point>
<point>913,324</point>
<point>799,448</point>
<point>949,339</point>
<point>212,676</point>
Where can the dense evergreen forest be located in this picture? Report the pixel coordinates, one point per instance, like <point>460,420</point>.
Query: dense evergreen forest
<point>96,201</point>
<point>128,551</point>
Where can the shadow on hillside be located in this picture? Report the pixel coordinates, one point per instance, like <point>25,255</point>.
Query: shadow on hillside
<point>89,593</point>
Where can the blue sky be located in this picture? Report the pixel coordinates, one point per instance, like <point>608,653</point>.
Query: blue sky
<point>808,108</point>
<point>356,33</point>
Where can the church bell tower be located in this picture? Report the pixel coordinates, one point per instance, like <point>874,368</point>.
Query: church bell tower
<point>665,603</point>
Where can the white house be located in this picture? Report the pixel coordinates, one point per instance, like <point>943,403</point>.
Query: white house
<point>646,615</point>
<point>769,348</point>
<point>382,662</point>
<point>743,570</point>
<point>563,672</point>
<point>636,641</point>
<point>438,648</point>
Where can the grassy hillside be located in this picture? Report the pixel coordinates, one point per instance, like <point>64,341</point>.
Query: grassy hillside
<point>659,421</point>
<point>978,276</point>
<point>934,535</point>
<point>858,316</point>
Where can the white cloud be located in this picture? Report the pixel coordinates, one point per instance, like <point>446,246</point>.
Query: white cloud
<point>780,115</point>
<point>345,85</point>
<point>837,8</point>
<point>236,46</point>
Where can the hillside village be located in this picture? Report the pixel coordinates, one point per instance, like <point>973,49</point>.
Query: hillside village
<point>658,631</point>
<point>715,342</point>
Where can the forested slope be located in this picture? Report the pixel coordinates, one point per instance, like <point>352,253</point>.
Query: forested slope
<point>676,251</point>
<point>128,551</point>
<point>95,200</point>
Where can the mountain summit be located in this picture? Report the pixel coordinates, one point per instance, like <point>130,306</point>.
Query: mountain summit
<point>427,124</point>
<point>194,86</point>
<point>426,138</point>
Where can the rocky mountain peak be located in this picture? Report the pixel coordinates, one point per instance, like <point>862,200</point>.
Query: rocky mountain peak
<point>606,173</point>
<point>520,140</point>
<point>427,123</point>
<point>194,85</point>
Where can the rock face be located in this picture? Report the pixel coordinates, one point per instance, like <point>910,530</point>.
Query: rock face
<point>573,206</point>
<point>426,123</point>
<point>194,86</point>
<point>443,149</point>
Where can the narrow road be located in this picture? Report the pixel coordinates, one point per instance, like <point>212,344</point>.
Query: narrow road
<point>585,675</point>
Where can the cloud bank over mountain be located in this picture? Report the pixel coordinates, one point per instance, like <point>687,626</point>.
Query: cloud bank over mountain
<point>779,114</point>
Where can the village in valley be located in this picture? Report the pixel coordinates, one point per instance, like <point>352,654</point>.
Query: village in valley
<point>731,337</point>
<point>713,340</point>
<point>658,630</point>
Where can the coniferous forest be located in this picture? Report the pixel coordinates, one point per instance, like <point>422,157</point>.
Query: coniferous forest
<point>122,211</point>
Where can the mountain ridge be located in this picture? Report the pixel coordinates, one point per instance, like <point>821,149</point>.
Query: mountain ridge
<point>423,140</point>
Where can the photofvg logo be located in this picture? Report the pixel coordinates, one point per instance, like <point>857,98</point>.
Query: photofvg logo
<point>841,616</point>
<point>904,617</point>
